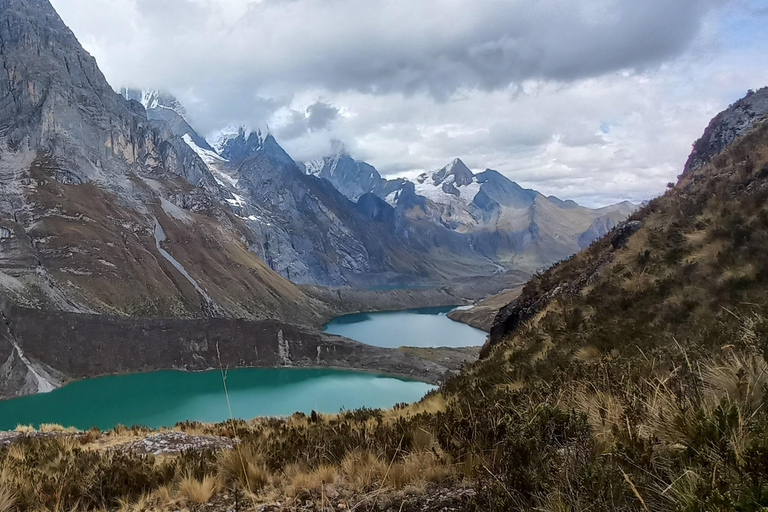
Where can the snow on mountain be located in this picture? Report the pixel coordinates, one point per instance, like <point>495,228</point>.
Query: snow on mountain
<point>215,164</point>
<point>220,138</point>
<point>208,156</point>
<point>315,167</point>
<point>454,182</point>
<point>162,106</point>
<point>539,230</point>
<point>152,99</point>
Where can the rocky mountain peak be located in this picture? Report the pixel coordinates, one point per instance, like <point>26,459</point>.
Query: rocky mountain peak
<point>163,106</point>
<point>727,126</point>
<point>244,144</point>
<point>456,169</point>
<point>154,99</point>
<point>351,177</point>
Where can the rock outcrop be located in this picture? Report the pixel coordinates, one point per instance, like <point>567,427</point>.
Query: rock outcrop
<point>727,126</point>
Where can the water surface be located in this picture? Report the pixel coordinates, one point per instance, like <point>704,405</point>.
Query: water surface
<point>422,327</point>
<point>162,398</point>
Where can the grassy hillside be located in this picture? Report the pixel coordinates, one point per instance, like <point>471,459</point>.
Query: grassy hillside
<point>630,377</point>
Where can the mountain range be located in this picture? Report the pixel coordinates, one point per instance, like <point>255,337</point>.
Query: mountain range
<point>528,230</point>
<point>113,203</point>
<point>365,230</point>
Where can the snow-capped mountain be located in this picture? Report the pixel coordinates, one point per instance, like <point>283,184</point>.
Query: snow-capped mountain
<point>533,230</point>
<point>161,106</point>
<point>351,177</point>
<point>336,220</point>
<point>308,231</point>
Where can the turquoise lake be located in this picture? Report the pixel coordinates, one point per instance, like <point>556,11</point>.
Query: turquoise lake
<point>423,327</point>
<point>162,398</point>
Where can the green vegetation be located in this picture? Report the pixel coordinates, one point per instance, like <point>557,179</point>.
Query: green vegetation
<point>640,384</point>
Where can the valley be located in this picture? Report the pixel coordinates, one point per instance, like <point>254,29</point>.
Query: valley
<point>199,316</point>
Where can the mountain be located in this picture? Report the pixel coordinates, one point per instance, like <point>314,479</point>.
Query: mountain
<point>122,251</point>
<point>727,126</point>
<point>630,377</point>
<point>164,107</point>
<point>656,335</point>
<point>529,230</point>
<point>308,231</point>
<point>351,177</point>
<point>98,195</point>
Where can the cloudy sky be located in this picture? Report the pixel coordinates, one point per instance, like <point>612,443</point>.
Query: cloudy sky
<point>595,100</point>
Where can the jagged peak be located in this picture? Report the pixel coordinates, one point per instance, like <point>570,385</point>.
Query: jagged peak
<point>462,175</point>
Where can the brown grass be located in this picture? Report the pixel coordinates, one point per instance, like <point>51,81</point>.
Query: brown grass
<point>7,500</point>
<point>740,378</point>
<point>198,491</point>
<point>312,481</point>
<point>361,470</point>
<point>244,466</point>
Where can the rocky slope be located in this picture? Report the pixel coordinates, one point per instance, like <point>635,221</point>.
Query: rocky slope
<point>308,231</point>
<point>727,126</point>
<point>351,177</point>
<point>482,314</point>
<point>164,107</point>
<point>96,196</point>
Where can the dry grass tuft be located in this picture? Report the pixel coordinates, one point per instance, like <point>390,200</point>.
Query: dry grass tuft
<point>361,469</point>
<point>51,427</point>
<point>142,504</point>
<point>588,354</point>
<point>244,466</point>
<point>7,500</point>
<point>164,496</point>
<point>198,491</point>
<point>604,411</point>
<point>90,436</point>
<point>417,468</point>
<point>740,378</point>
<point>312,481</point>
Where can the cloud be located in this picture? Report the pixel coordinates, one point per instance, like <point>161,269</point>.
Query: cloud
<point>523,86</point>
<point>290,124</point>
<point>320,115</point>
<point>379,46</point>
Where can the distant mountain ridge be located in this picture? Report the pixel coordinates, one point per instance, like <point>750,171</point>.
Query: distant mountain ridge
<point>545,229</point>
